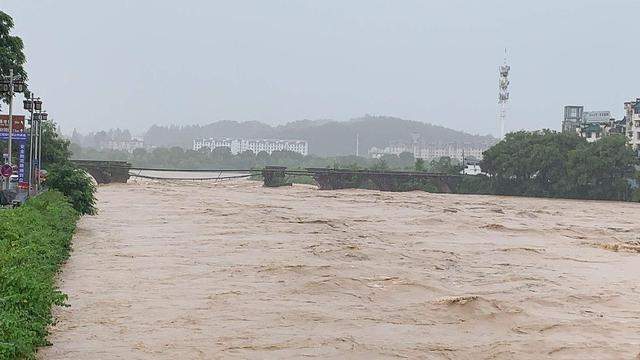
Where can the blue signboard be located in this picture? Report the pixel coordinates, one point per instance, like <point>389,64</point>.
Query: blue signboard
<point>21,157</point>
<point>21,139</point>
<point>15,136</point>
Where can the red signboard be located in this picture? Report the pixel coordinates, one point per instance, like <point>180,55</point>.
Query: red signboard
<point>18,123</point>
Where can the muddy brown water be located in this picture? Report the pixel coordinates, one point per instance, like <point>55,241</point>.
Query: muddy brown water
<point>201,270</point>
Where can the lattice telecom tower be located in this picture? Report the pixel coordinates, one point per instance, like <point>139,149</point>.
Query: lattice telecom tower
<point>503,94</point>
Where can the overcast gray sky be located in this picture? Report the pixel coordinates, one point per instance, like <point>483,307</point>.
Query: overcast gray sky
<point>131,64</point>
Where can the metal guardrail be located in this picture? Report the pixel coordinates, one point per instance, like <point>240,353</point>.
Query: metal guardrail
<point>190,179</point>
<point>308,171</point>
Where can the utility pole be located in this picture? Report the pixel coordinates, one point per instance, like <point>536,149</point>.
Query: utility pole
<point>34,106</point>
<point>10,85</point>
<point>10,115</point>
<point>40,118</point>
<point>36,125</point>
<point>31,108</point>
<point>357,144</point>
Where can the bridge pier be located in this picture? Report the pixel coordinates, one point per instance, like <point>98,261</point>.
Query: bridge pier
<point>275,176</point>
<point>105,172</point>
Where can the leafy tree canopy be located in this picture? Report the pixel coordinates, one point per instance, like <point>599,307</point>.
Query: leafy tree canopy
<point>55,149</point>
<point>11,49</point>
<point>551,164</point>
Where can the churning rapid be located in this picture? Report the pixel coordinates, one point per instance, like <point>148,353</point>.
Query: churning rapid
<point>201,270</point>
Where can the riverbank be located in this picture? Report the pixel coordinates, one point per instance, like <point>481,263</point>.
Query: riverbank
<point>200,270</point>
<point>34,241</point>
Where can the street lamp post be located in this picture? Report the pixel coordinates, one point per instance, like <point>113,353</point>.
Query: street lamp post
<point>34,106</point>
<point>10,116</point>
<point>37,106</point>
<point>43,117</point>
<point>29,106</point>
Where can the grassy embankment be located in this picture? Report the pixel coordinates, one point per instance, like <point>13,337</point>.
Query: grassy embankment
<point>34,242</point>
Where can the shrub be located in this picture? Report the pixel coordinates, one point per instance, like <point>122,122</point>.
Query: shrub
<point>474,184</point>
<point>74,183</point>
<point>34,241</point>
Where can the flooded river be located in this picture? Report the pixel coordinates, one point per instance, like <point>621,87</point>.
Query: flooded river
<point>207,270</point>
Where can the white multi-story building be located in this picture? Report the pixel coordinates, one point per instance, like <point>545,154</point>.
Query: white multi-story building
<point>453,151</point>
<point>237,146</point>
<point>212,143</point>
<point>377,153</point>
<point>129,145</point>
<point>430,152</point>
<point>632,117</point>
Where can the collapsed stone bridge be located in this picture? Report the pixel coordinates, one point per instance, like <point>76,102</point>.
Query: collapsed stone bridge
<point>105,172</point>
<point>332,179</point>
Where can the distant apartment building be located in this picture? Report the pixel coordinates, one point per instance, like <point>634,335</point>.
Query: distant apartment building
<point>632,120</point>
<point>127,145</point>
<point>434,151</point>
<point>572,118</point>
<point>395,149</point>
<point>591,125</point>
<point>594,125</point>
<point>454,151</point>
<point>591,132</point>
<point>594,131</point>
<point>237,146</point>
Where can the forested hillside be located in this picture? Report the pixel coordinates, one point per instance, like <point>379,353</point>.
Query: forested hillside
<point>325,137</point>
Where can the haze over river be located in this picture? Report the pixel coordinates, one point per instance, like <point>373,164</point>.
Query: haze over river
<point>202,270</point>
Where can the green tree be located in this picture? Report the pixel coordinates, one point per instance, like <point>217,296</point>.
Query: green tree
<point>55,149</point>
<point>551,164</point>
<point>63,176</point>
<point>11,50</point>
<point>601,170</point>
<point>75,184</point>
<point>406,160</point>
<point>445,165</point>
<point>380,164</point>
<point>530,163</point>
<point>419,165</point>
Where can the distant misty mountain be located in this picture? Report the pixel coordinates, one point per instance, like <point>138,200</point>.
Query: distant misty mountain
<point>325,137</point>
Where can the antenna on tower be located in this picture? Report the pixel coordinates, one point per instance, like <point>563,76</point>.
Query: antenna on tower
<point>503,93</point>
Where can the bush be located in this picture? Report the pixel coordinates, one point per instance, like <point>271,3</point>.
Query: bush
<point>74,183</point>
<point>474,184</point>
<point>34,241</point>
